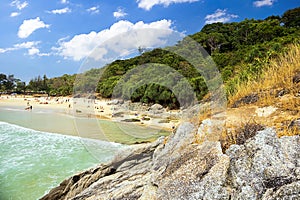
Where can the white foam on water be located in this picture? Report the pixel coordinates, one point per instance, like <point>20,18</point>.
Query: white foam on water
<point>15,109</point>
<point>32,161</point>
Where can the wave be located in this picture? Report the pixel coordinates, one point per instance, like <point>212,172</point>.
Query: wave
<point>41,160</point>
<point>8,127</point>
<point>15,109</point>
<point>15,127</point>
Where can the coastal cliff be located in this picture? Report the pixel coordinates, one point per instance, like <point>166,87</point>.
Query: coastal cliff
<point>263,167</point>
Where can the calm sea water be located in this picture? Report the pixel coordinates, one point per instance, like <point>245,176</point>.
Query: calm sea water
<point>32,162</point>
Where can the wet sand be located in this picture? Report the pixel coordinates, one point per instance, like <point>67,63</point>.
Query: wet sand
<point>82,117</point>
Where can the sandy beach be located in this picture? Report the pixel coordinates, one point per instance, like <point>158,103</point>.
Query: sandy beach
<point>139,123</point>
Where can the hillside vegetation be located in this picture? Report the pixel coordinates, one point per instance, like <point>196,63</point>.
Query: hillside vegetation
<point>182,166</point>
<point>241,51</point>
<point>277,89</point>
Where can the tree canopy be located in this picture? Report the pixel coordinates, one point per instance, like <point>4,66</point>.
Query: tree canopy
<point>239,50</point>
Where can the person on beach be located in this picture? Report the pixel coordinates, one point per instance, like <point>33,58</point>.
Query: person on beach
<point>29,107</point>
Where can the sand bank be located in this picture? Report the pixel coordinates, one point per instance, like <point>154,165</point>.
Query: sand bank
<point>140,125</point>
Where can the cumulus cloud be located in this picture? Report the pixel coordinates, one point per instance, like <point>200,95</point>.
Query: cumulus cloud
<point>93,10</point>
<point>17,4</point>
<point>119,13</point>
<point>148,4</point>
<point>60,11</point>
<point>219,16</point>
<point>261,3</point>
<point>31,47</point>
<point>14,14</point>
<point>83,45</point>
<point>29,26</point>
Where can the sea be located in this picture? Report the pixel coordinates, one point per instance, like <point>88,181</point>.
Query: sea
<point>33,160</point>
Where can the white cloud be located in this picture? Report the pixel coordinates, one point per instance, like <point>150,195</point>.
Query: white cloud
<point>119,13</point>
<point>44,54</point>
<point>19,5</point>
<point>148,4</point>
<point>14,14</point>
<point>30,46</point>
<point>219,16</point>
<point>93,10</point>
<point>33,51</point>
<point>29,26</point>
<point>26,45</point>
<point>60,11</point>
<point>64,1</point>
<point>8,49</point>
<point>261,3</point>
<point>3,50</point>
<point>83,45</point>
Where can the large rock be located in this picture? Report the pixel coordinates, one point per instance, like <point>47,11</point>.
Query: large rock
<point>264,167</point>
<point>115,102</point>
<point>172,150</point>
<point>78,183</point>
<point>156,109</point>
<point>123,178</point>
<point>199,173</point>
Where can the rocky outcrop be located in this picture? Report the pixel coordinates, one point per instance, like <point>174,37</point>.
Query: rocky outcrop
<point>123,178</point>
<point>264,167</point>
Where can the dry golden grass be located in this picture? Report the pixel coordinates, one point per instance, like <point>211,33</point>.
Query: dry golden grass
<point>283,125</point>
<point>276,76</point>
<point>228,137</point>
<point>238,135</point>
<point>274,88</point>
<point>288,132</point>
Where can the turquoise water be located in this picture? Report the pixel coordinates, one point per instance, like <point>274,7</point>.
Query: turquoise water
<point>32,162</point>
<point>45,120</point>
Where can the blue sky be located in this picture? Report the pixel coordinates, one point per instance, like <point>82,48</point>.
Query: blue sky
<point>54,37</point>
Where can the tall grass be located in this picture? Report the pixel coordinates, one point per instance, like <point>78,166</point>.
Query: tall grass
<point>276,75</point>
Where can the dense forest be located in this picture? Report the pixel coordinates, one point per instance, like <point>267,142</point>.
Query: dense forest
<point>239,49</point>
<point>58,86</point>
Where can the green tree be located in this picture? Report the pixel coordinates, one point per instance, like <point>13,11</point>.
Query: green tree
<point>239,49</point>
<point>20,86</point>
<point>10,83</point>
<point>291,18</point>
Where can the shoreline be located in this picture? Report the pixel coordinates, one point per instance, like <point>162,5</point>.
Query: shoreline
<point>112,117</point>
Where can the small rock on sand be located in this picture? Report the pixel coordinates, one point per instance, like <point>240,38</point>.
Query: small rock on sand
<point>265,111</point>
